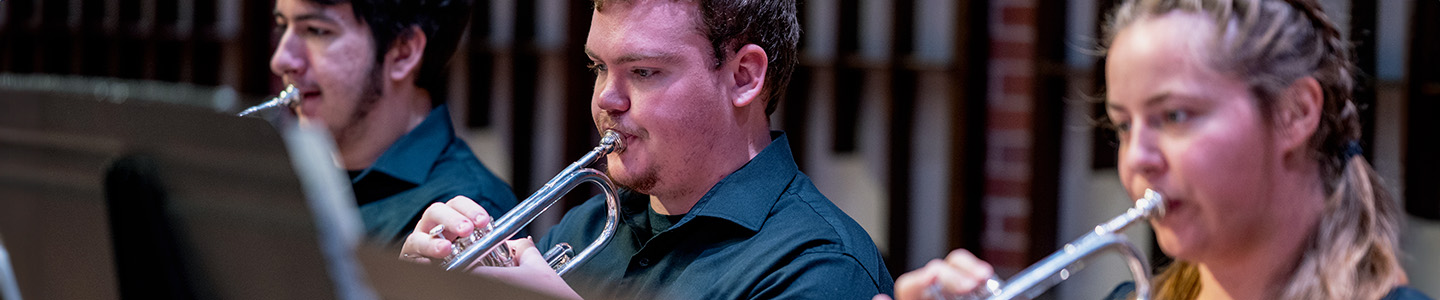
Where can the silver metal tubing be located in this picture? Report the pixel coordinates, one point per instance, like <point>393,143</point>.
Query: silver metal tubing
<point>287,99</point>
<point>1061,265</point>
<point>467,252</point>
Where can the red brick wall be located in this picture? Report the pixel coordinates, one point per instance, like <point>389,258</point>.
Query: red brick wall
<point>1009,134</point>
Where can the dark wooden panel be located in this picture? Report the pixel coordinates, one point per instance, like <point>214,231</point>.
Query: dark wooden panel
<point>1362,34</point>
<point>1422,166</point>
<point>849,79</point>
<point>480,63</point>
<point>1051,78</point>
<point>524,73</point>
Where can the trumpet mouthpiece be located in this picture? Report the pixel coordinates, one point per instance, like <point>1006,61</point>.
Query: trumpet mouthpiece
<point>611,141</point>
<point>287,100</point>
<point>1152,203</point>
<point>290,97</point>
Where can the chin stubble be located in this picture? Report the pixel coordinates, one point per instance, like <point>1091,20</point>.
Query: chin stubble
<point>644,183</point>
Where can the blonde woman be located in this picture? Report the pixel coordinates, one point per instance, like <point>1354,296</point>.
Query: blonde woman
<point>1239,112</point>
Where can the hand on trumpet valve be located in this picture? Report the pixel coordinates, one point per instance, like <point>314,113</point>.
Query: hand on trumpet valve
<point>530,271</point>
<point>960,276</point>
<point>459,221</point>
<point>440,227</point>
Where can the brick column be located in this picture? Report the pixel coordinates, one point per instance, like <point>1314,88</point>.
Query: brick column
<point>1009,134</point>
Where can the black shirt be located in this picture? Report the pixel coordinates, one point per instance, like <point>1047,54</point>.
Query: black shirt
<point>762,232</point>
<point>428,164</point>
<point>660,222</point>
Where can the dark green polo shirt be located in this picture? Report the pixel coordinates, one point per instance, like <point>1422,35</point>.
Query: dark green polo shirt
<point>428,164</point>
<point>762,232</point>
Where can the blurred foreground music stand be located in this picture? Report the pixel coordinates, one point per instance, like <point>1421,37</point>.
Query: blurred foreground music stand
<point>147,200</point>
<point>9,290</point>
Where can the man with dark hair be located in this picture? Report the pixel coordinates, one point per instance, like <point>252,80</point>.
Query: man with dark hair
<point>366,70</point>
<point>713,205</point>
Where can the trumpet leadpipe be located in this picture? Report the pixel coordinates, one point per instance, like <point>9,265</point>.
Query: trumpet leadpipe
<point>287,99</point>
<point>1061,265</point>
<point>508,225</point>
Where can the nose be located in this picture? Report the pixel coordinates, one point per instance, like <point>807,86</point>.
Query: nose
<point>611,97</point>
<point>1140,154</point>
<point>289,60</point>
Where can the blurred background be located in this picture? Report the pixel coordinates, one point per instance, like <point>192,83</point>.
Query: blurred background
<point>937,124</point>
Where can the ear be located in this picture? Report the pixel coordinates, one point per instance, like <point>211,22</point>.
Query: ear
<point>405,54</point>
<point>1299,113</point>
<point>749,65</point>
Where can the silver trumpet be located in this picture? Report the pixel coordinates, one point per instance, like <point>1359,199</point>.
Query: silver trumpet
<point>1058,267</point>
<point>487,244</point>
<point>287,99</point>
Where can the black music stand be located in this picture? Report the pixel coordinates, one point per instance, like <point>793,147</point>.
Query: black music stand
<point>148,200</point>
<point>151,200</point>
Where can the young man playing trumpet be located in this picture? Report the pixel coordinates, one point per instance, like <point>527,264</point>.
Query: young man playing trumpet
<point>713,205</point>
<point>365,70</point>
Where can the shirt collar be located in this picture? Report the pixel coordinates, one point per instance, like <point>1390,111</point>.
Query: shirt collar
<point>746,196</point>
<point>411,157</point>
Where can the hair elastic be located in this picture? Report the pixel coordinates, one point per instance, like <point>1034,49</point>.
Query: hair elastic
<point>1353,149</point>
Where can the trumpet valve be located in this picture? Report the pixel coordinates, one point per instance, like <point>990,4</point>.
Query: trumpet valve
<point>501,257</point>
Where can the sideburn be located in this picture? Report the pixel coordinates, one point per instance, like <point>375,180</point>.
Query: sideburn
<point>370,94</point>
<point>369,99</point>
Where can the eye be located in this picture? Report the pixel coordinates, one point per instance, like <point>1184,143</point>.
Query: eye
<point>596,67</point>
<point>1120,127</point>
<point>1177,116</point>
<point>645,73</point>
<point>1113,123</point>
<point>317,31</point>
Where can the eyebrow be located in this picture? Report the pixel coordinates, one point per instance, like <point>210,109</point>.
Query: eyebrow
<point>637,56</point>
<point>1154,100</point>
<point>308,17</point>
